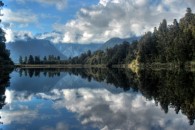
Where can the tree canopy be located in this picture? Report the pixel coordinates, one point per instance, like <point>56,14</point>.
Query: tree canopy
<point>4,53</point>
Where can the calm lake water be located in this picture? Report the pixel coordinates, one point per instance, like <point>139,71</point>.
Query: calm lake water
<point>93,99</point>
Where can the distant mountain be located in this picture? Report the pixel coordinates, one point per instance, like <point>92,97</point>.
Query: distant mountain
<point>73,49</point>
<point>43,47</point>
<point>116,41</point>
<point>33,47</point>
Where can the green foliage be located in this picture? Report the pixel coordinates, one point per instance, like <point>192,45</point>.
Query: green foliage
<point>4,53</point>
<point>173,43</point>
<point>119,54</point>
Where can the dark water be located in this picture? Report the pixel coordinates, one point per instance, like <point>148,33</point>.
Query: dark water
<point>87,99</point>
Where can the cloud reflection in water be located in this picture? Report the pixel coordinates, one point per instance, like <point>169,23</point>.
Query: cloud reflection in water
<point>101,109</point>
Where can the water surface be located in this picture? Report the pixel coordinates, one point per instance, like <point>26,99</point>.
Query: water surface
<point>87,99</point>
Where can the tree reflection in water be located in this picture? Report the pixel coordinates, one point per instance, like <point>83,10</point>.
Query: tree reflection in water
<point>170,88</point>
<point>167,88</point>
<point>4,82</point>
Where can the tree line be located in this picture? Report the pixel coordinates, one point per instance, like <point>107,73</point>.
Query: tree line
<point>32,72</point>
<point>119,54</point>
<point>51,59</point>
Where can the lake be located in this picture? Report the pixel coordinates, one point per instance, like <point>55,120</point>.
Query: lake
<point>97,99</point>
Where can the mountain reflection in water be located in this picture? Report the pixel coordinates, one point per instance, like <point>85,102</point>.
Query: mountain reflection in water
<point>97,99</point>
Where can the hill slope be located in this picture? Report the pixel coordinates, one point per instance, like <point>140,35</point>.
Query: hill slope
<point>32,47</point>
<point>72,50</point>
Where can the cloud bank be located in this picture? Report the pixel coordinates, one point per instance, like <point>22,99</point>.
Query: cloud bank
<point>120,18</point>
<point>109,18</point>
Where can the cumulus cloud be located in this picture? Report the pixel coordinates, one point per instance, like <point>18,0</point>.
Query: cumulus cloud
<point>120,18</point>
<point>54,37</point>
<point>12,36</point>
<point>22,17</point>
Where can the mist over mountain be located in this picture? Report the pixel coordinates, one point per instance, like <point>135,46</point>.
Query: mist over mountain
<point>75,49</point>
<point>33,47</point>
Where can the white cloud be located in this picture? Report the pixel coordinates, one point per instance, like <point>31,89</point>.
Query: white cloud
<point>12,114</point>
<point>120,18</point>
<point>54,37</point>
<point>11,35</point>
<point>12,96</point>
<point>21,16</point>
<point>105,2</point>
<point>17,19</point>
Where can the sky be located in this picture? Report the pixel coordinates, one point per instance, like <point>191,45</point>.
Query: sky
<point>87,21</point>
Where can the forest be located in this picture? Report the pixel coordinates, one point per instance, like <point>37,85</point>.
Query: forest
<point>166,44</point>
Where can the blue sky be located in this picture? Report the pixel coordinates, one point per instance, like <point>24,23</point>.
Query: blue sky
<point>87,21</point>
<point>47,14</point>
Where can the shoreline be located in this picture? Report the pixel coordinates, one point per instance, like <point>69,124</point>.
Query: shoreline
<point>53,66</point>
<point>134,67</point>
